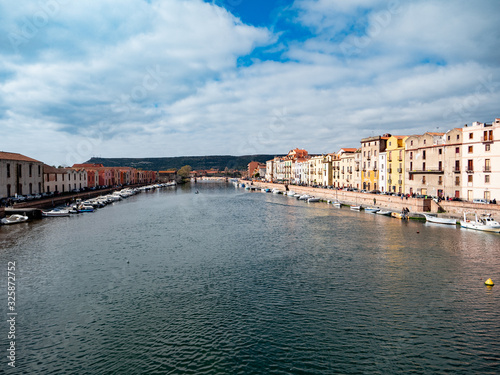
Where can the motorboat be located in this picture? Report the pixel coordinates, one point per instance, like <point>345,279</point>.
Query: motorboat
<point>484,223</point>
<point>384,212</point>
<point>372,210</point>
<point>276,191</point>
<point>291,193</point>
<point>337,204</point>
<point>56,212</point>
<point>312,199</point>
<point>14,219</point>
<point>304,197</point>
<point>440,220</point>
<point>356,208</point>
<point>399,215</point>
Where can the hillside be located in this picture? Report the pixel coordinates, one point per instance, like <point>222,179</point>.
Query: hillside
<point>196,162</point>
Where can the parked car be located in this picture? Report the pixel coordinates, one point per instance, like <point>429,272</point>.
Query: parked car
<point>480,201</point>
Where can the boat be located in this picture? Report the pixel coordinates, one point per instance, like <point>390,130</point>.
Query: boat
<point>372,210</point>
<point>291,193</point>
<point>14,219</point>
<point>399,215</point>
<point>304,197</point>
<point>384,212</point>
<point>337,204</point>
<point>313,199</point>
<point>56,212</point>
<point>484,223</point>
<point>276,191</point>
<point>247,187</point>
<point>356,208</point>
<point>267,190</point>
<point>440,220</point>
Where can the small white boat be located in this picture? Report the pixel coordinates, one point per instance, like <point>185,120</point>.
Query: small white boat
<point>372,210</point>
<point>484,223</point>
<point>55,213</point>
<point>14,219</point>
<point>337,204</point>
<point>356,208</point>
<point>440,220</point>
<point>304,197</point>
<point>313,199</point>
<point>291,193</point>
<point>384,212</point>
<point>276,191</point>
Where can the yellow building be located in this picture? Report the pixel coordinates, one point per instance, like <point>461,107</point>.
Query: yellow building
<point>395,152</point>
<point>371,148</point>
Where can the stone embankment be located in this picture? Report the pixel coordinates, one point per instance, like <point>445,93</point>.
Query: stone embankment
<point>389,202</point>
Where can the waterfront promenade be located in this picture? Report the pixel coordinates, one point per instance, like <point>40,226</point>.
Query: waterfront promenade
<point>393,203</point>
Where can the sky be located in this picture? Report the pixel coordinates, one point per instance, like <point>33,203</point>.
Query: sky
<point>136,78</point>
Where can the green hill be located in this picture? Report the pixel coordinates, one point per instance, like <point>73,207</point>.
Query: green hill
<point>219,162</point>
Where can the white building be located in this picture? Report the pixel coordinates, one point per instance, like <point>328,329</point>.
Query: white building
<point>481,161</point>
<point>382,174</point>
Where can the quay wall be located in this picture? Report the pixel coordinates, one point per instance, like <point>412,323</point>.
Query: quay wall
<point>392,203</point>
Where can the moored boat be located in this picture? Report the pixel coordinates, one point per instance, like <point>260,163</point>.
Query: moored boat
<point>484,223</point>
<point>383,212</point>
<point>312,199</point>
<point>304,197</point>
<point>14,219</point>
<point>337,204</point>
<point>356,208</point>
<point>372,210</point>
<point>56,213</point>
<point>440,220</point>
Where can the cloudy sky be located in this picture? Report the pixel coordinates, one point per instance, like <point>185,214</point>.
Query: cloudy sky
<point>136,78</point>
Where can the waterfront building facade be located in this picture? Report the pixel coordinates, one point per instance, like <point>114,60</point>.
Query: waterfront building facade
<point>453,163</point>
<point>269,170</point>
<point>346,167</point>
<point>371,148</point>
<point>424,163</point>
<point>395,152</point>
<point>382,175</point>
<point>481,159</point>
<point>20,175</point>
<point>63,180</point>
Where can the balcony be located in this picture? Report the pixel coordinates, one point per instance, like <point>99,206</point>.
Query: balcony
<point>389,170</point>
<point>469,170</point>
<point>389,182</point>
<point>357,169</point>
<point>487,139</point>
<point>389,159</point>
<point>374,169</point>
<point>427,170</point>
<point>456,170</point>
<point>400,158</point>
<point>368,157</point>
<point>487,169</point>
<point>400,170</point>
<point>400,182</point>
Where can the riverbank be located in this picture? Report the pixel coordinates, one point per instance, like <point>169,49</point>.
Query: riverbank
<point>389,202</point>
<point>64,199</point>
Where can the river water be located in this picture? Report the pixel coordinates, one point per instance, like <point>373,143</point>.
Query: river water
<point>235,282</point>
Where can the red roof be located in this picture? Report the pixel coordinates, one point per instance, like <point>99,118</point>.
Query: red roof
<point>14,156</point>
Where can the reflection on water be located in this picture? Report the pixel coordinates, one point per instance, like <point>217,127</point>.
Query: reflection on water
<point>228,281</point>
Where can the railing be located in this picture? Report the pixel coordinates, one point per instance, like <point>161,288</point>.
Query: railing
<point>456,170</point>
<point>469,170</point>
<point>368,157</point>
<point>426,170</point>
<point>400,170</point>
<point>487,139</point>
<point>487,168</point>
<point>357,169</point>
<point>389,170</point>
<point>374,169</point>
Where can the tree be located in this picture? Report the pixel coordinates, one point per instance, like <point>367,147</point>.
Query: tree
<point>185,171</point>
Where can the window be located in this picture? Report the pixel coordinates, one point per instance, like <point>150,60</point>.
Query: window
<point>486,147</point>
<point>423,166</point>
<point>411,143</point>
<point>411,177</point>
<point>469,178</point>
<point>470,149</point>
<point>440,151</point>
<point>440,180</point>
<point>457,165</point>
<point>449,137</point>
<point>20,171</point>
<point>470,165</point>
<point>440,166</point>
<point>411,165</point>
<point>487,165</point>
<point>423,179</point>
<point>375,153</point>
<point>8,190</point>
<point>425,141</point>
<point>423,154</point>
<point>39,170</point>
<point>390,143</point>
<point>30,170</point>
<point>8,172</point>
<point>458,137</point>
<point>411,155</point>
<point>457,181</point>
<point>471,135</point>
<point>486,178</point>
<point>457,150</point>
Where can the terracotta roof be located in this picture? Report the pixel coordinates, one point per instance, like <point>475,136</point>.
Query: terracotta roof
<point>349,149</point>
<point>14,156</point>
<point>433,133</point>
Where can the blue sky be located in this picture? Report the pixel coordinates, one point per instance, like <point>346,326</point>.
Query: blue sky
<point>190,77</point>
